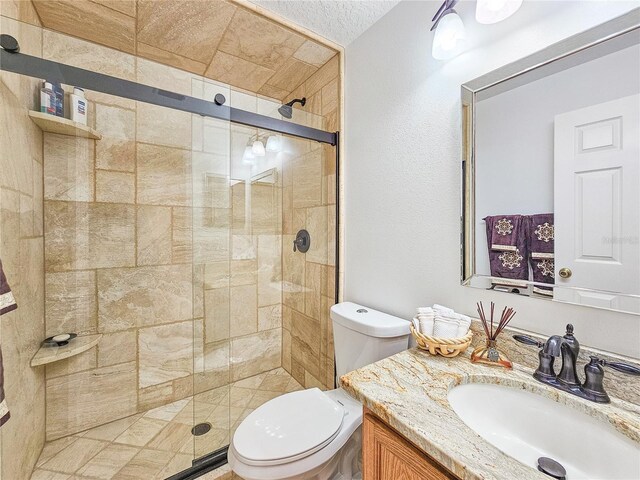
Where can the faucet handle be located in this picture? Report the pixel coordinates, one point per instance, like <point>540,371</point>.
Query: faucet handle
<point>527,340</point>
<point>594,376</point>
<point>618,366</point>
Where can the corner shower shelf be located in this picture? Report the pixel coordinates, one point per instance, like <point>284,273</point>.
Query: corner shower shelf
<point>62,126</point>
<point>78,345</point>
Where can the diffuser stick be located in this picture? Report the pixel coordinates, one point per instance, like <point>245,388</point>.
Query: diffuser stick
<point>489,353</point>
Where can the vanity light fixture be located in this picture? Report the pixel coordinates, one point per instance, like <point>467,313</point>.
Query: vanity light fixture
<point>494,11</point>
<point>248,157</point>
<point>255,146</point>
<point>449,32</point>
<point>274,143</point>
<point>258,148</point>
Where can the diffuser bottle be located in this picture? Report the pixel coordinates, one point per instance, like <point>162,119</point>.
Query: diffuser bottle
<point>490,355</point>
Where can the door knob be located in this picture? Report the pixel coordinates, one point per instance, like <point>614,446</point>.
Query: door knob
<point>565,273</point>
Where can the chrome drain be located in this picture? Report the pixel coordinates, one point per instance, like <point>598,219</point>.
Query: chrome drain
<point>201,429</point>
<point>550,467</point>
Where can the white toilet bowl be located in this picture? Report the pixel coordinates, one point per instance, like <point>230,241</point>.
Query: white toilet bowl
<point>315,435</point>
<point>302,435</point>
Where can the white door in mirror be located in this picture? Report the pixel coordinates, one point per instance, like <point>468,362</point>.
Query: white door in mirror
<point>597,203</point>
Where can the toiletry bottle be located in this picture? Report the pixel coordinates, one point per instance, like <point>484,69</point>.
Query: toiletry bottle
<point>47,99</point>
<point>78,106</point>
<point>59,96</point>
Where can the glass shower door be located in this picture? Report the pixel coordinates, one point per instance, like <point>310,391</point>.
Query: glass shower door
<point>168,237</point>
<point>114,269</point>
<point>266,328</point>
<point>211,218</point>
<point>127,235</point>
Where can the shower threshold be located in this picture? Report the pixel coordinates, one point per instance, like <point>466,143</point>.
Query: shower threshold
<point>159,443</point>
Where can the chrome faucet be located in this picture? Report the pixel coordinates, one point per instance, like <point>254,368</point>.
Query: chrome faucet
<point>567,380</point>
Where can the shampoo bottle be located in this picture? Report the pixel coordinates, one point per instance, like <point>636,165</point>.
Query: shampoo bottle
<point>47,99</point>
<point>58,93</point>
<point>78,106</point>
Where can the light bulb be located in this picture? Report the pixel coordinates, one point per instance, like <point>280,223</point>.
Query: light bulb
<point>248,157</point>
<point>274,144</point>
<point>258,149</point>
<point>494,11</point>
<point>449,38</point>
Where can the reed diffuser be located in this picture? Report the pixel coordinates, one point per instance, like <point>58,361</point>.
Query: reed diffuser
<point>489,352</point>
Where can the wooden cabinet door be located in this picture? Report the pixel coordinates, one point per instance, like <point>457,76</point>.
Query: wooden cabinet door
<point>387,455</point>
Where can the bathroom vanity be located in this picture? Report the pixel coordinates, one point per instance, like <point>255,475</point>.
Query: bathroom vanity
<point>430,417</point>
<point>387,455</point>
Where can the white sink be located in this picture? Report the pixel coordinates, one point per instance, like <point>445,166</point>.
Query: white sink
<point>527,426</point>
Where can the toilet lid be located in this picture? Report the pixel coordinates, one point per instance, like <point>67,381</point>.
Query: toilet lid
<point>288,428</point>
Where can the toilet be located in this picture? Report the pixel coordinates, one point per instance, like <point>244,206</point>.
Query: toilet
<point>311,434</point>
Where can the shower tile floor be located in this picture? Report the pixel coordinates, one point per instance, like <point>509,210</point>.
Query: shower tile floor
<point>158,443</point>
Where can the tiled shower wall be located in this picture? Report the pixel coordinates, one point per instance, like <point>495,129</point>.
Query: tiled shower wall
<point>21,251</point>
<point>147,244</point>
<point>309,202</point>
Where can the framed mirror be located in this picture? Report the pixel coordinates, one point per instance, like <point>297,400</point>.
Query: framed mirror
<point>551,172</point>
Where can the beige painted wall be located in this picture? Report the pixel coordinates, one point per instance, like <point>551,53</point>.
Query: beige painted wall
<point>403,172</point>
<point>21,250</point>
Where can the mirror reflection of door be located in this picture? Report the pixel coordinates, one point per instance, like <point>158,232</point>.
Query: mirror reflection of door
<point>597,203</point>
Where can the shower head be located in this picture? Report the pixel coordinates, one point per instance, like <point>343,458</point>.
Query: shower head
<point>286,110</point>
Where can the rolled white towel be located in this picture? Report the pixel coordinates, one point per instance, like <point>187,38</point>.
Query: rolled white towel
<point>426,324</point>
<point>425,317</point>
<point>416,324</point>
<point>424,310</point>
<point>464,325</point>
<point>463,321</point>
<point>445,327</point>
<point>442,309</point>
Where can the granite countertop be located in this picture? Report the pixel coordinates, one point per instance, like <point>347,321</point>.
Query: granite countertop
<point>409,392</point>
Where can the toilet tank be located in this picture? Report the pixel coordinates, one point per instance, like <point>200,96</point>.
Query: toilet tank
<point>363,336</point>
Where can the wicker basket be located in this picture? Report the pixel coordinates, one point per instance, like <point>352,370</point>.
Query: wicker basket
<point>447,347</point>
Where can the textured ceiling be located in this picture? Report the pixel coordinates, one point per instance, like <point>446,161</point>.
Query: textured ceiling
<point>340,21</point>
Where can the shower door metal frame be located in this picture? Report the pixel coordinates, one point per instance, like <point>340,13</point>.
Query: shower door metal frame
<point>31,66</point>
<point>54,71</point>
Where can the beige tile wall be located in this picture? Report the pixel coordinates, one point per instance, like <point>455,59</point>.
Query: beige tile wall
<point>21,251</point>
<point>223,40</point>
<point>147,243</point>
<point>182,273</point>
<point>309,201</point>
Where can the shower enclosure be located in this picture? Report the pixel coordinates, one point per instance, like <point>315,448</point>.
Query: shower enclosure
<point>162,234</point>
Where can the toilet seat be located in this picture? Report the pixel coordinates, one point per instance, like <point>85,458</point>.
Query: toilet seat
<point>318,465</point>
<point>288,428</point>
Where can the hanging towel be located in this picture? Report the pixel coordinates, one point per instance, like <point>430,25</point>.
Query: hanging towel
<point>508,254</point>
<point>7,304</point>
<point>540,232</point>
<point>504,232</point>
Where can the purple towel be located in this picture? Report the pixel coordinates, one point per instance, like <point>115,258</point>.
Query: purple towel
<point>541,233</point>
<point>541,247</point>
<point>7,304</point>
<point>507,242</point>
<point>504,231</point>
